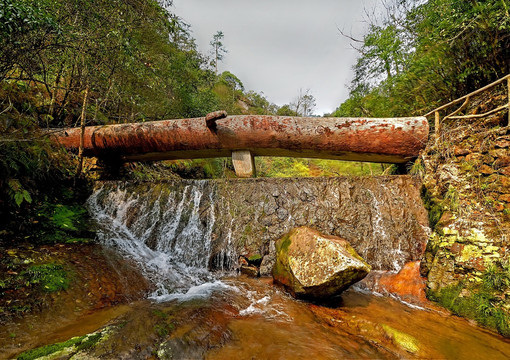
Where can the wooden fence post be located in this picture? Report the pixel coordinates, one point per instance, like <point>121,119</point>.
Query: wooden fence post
<point>508,95</point>
<point>437,125</point>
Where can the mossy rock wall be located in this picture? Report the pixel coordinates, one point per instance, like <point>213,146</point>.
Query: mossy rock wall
<point>382,217</point>
<point>468,191</point>
<point>466,176</point>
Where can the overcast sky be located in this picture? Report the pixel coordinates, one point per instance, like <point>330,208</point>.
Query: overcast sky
<point>280,46</point>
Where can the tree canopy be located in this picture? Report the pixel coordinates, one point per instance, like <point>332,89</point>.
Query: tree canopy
<point>421,54</point>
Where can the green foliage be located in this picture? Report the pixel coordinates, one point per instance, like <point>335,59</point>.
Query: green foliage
<point>285,110</point>
<point>423,54</point>
<point>296,167</point>
<point>50,277</point>
<point>67,217</point>
<point>203,168</point>
<point>24,27</point>
<point>18,194</point>
<point>218,50</point>
<point>496,278</point>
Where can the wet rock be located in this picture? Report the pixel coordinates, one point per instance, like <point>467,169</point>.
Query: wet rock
<point>243,261</point>
<point>268,261</point>
<point>316,266</point>
<point>407,284</point>
<point>250,270</point>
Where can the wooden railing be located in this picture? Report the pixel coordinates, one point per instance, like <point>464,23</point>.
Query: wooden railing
<point>466,99</point>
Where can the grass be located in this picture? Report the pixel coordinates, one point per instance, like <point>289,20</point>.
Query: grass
<point>483,304</point>
<point>451,198</point>
<point>418,168</point>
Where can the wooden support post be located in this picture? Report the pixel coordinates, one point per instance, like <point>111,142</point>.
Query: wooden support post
<point>437,125</point>
<point>244,163</point>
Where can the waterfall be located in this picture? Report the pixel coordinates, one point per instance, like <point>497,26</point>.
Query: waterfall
<point>179,230</point>
<point>167,233</point>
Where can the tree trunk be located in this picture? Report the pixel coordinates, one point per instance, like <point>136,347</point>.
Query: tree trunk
<point>82,132</point>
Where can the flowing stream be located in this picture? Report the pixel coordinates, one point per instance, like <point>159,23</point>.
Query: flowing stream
<point>194,313</point>
<point>164,234</point>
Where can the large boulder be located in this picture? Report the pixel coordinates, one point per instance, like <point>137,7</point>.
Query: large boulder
<point>316,266</point>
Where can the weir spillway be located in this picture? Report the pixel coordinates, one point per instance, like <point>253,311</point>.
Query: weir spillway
<point>175,227</point>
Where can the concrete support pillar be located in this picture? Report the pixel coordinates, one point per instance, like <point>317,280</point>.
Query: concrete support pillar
<point>244,163</point>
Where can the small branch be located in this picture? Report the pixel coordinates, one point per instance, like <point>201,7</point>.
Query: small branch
<point>8,107</point>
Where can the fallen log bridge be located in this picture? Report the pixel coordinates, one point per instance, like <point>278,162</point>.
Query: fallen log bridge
<point>394,140</point>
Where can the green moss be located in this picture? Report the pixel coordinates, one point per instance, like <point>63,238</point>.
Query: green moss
<point>68,348</point>
<point>49,349</point>
<point>284,243</point>
<point>433,205</point>
<point>90,341</point>
<point>278,269</point>
<point>255,258</point>
<point>160,314</point>
<point>405,341</point>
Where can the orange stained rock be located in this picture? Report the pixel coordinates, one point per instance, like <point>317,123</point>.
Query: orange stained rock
<point>407,284</point>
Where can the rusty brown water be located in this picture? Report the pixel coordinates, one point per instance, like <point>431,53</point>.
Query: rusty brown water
<point>253,319</point>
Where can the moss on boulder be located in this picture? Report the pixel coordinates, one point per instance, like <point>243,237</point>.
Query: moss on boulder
<point>316,266</point>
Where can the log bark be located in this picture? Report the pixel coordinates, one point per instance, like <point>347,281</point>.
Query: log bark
<point>396,140</point>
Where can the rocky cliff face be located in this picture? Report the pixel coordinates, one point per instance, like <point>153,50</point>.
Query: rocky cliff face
<point>466,177</point>
<point>382,217</point>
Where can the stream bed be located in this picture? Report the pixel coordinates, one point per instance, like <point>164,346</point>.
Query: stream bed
<point>247,318</point>
<point>165,234</point>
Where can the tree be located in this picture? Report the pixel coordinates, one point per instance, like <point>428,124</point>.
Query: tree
<point>285,110</point>
<point>304,103</point>
<point>218,49</point>
<point>421,54</point>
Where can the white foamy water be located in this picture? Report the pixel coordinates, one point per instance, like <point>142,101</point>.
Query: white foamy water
<point>168,234</point>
